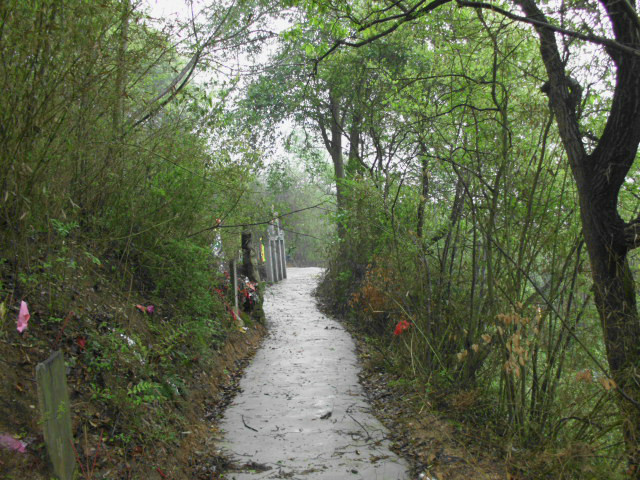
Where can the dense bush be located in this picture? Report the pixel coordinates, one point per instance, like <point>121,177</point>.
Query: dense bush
<point>113,172</point>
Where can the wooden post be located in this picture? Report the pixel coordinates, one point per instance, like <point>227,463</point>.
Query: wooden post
<point>275,264</point>
<point>282,262</point>
<point>56,414</point>
<point>272,262</point>
<point>234,286</point>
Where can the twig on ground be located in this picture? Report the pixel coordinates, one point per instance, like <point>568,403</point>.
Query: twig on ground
<point>361,426</point>
<point>245,424</point>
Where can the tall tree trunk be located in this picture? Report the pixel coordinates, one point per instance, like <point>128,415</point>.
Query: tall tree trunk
<point>332,138</point>
<point>615,298</point>
<point>248,267</point>
<point>119,90</point>
<point>599,176</point>
<point>354,163</point>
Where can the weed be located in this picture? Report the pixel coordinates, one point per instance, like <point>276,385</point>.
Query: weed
<point>146,392</point>
<point>63,229</point>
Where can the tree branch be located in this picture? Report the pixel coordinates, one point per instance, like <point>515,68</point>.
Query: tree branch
<point>413,13</point>
<point>264,222</point>
<point>170,92</point>
<point>632,234</point>
<point>605,42</point>
<point>405,17</point>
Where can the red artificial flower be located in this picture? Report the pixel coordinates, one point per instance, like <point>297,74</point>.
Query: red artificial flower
<point>402,326</point>
<point>82,342</point>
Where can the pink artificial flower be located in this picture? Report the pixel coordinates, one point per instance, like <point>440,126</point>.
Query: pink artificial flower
<point>151,309</point>
<point>23,317</point>
<point>7,441</point>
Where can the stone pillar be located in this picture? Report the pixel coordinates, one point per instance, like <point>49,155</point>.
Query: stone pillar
<point>268,253</point>
<point>278,255</point>
<point>284,254</point>
<point>55,408</point>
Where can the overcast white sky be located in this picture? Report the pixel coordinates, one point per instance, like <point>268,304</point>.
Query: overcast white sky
<point>169,11</point>
<point>168,8</point>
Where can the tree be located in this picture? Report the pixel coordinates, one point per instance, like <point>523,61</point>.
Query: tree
<point>599,170</point>
<point>599,175</point>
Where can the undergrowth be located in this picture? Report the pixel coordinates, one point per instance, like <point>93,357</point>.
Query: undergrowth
<point>137,346</point>
<point>487,347</point>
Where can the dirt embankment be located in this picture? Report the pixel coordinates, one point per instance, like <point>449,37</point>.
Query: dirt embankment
<point>193,456</point>
<point>113,351</point>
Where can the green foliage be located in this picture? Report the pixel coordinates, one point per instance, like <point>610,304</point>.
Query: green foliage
<point>63,229</point>
<point>297,180</point>
<point>459,217</point>
<point>455,210</point>
<point>112,177</point>
<point>146,392</point>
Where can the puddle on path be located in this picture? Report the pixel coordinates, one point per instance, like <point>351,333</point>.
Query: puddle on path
<point>301,413</point>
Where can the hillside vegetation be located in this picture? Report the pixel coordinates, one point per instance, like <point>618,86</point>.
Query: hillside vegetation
<point>465,171</point>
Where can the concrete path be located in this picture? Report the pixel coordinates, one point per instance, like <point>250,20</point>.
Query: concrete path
<point>301,413</point>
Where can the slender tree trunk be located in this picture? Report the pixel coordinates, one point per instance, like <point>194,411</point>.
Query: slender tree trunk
<point>424,179</point>
<point>119,90</point>
<point>354,163</point>
<point>332,138</point>
<point>615,298</point>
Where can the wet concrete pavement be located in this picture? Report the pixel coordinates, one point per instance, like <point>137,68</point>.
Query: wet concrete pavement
<point>301,413</point>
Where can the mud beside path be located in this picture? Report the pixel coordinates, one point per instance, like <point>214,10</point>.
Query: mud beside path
<point>301,412</point>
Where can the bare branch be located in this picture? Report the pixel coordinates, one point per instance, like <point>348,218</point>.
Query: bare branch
<point>263,222</point>
<point>605,42</point>
<point>415,12</point>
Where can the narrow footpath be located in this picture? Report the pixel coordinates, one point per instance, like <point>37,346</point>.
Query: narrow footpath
<point>301,413</point>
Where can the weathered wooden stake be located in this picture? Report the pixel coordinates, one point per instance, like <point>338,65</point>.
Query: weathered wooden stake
<point>56,414</point>
<point>234,286</point>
